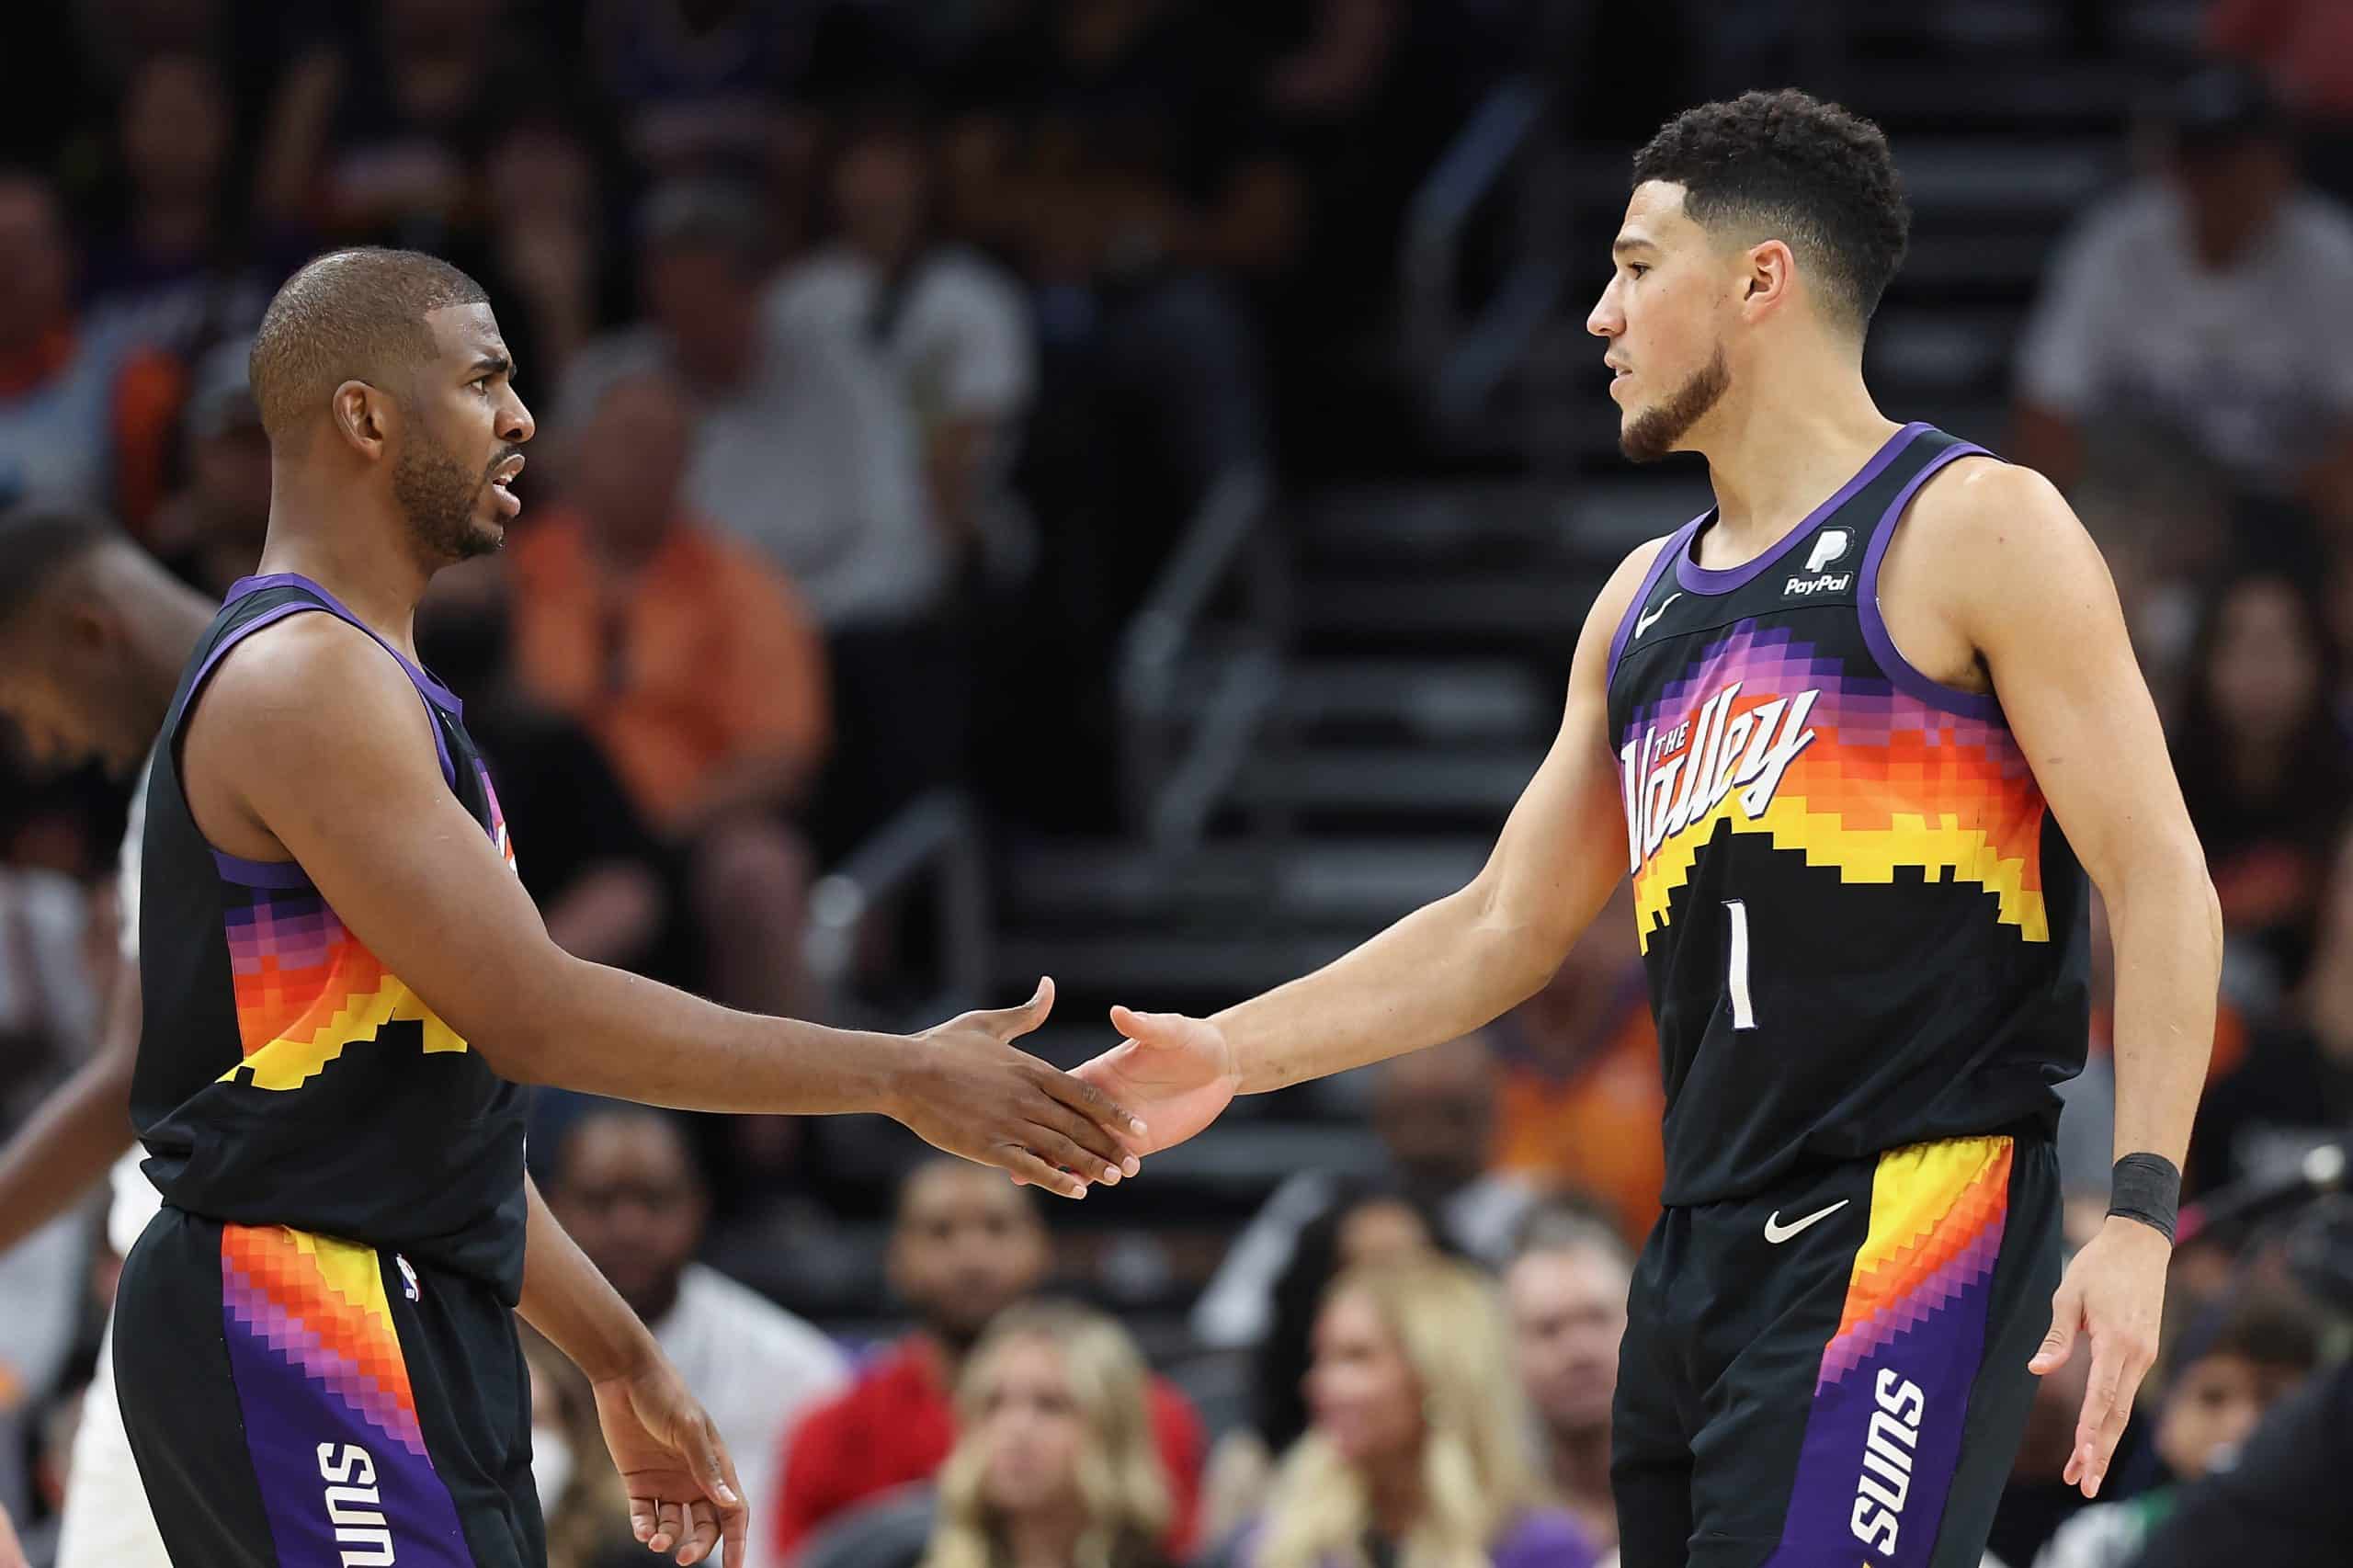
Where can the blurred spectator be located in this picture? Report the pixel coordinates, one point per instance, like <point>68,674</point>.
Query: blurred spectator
<point>176,271</point>
<point>691,665</point>
<point>2222,1383</point>
<point>2265,765</point>
<point>2233,336</point>
<point>966,1245</point>
<point>703,85</point>
<point>626,1188</point>
<point>803,447</point>
<point>542,256</point>
<point>581,1500</point>
<point>2305,47</point>
<point>210,532</point>
<point>86,409</point>
<point>1418,1451</point>
<point>1057,1467</point>
<point>1434,1112</point>
<point>2295,1088</point>
<point>953,329</point>
<point>1364,1225</point>
<point>1567,1291</point>
<point>1581,1098</point>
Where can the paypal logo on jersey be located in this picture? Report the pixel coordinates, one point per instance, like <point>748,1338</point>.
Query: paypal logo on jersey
<point>1673,779</point>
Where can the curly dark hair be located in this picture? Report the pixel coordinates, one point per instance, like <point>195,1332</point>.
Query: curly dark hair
<point>1797,169</point>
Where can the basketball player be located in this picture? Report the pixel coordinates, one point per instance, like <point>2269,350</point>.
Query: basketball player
<point>1860,733</point>
<point>93,633</point>
<point>345,984</point>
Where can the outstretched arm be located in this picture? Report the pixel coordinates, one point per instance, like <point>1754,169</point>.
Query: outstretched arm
<point>1442,971</point>
<point>309,744</point>
<point>2022,584</point>
<point>77,1132</point>
<point>681,1483</point>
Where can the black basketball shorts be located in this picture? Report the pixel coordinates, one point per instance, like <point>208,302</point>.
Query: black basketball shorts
<point>1834,1374</point>
<point>295,1400</point>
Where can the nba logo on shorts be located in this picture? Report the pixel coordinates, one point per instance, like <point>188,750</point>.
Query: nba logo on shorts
<point>408,1278</point>
<point>1828,546</point>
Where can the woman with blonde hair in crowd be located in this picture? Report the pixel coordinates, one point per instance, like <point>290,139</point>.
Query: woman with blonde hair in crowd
<point>1057,1466</point>
<point>1418,1451</point>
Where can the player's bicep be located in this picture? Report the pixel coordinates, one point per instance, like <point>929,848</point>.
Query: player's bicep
<point>322,741</point>
<point>2041,609</point>
<point>1563,848</point>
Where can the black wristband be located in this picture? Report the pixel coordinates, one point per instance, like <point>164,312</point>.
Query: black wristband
<point>2146,1187</point>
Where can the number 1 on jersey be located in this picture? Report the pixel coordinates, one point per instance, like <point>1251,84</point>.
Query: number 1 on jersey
<point>1744,1013</point>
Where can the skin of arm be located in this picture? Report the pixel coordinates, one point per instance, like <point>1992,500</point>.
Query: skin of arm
<point>309,744</point>
<point>1992,579</point>
<point>664,1443</point>
<point>77,1132</point>
<point>1442,971</point>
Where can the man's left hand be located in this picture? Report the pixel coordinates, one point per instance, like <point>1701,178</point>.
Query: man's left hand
<point>681,1484</point>
<point>2113,1294</point>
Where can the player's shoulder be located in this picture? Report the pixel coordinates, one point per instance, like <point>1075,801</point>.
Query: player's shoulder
<point>1982,532</point>
<point>305,674</point>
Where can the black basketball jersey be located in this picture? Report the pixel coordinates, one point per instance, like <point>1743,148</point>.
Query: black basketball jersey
<point>1862,927</point>
<point>284,1076</point>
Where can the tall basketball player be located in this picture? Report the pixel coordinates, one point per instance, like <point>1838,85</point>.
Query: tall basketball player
<point>345,986</point>
<point>93,633</point>
<point>1858,733</point>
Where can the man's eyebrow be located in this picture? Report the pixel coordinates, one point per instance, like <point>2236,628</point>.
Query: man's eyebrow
<point>1625,242</point>
<point>493,364</point>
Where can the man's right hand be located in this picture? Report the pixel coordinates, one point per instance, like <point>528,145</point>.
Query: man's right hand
<point>969,1091</point>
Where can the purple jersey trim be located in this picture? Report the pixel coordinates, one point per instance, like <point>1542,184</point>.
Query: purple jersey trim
<point>1900,671</point>
<point>1699,579</point>
<point>416,672</point>
<point>432,691</point>
<point>260,873</point>
<point>1668,552</point>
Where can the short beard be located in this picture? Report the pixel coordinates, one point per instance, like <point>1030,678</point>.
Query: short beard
<point>1660,429</point>
<point>437,498</point>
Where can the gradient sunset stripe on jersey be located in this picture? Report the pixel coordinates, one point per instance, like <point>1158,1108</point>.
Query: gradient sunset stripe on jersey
<point>1889,781</point>
<point>318,1306</point>
<point>1937,1212</point>
<point>306,988</point>
<point>1910,1343</point>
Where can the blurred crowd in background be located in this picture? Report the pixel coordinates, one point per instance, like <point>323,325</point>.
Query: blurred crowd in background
<point>881,352</point>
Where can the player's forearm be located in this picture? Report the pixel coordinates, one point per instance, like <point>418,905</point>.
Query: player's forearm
<point>603,1031</point>
<point>77,1132</point>
<point>2168,931</point>
<point>1440,972</point>
<point>567,1299</point>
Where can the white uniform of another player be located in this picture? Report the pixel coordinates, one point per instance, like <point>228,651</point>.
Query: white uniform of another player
<point>107,1522</point>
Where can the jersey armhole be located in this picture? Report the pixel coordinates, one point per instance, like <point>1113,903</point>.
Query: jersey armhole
<point>1901,673</point>
<point>236,868</point>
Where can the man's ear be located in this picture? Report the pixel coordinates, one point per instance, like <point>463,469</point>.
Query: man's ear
<point>1770,276</point>
<point>365,418</point>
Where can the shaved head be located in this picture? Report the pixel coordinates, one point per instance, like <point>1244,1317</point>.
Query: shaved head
<point>349,315</point>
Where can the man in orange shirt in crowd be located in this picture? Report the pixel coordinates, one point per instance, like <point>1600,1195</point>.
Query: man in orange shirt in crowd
<point>961,1251</point>
<point>1580,1101</point>
<point>691,664</point>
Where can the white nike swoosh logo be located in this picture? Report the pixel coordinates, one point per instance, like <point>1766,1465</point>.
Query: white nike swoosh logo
<point>1643,622</point>
<point>1776,1233</point>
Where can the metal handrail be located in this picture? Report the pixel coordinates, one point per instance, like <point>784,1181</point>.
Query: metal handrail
<point>1170,791</point>
<point>1471,167</point>
<point>938,833</point>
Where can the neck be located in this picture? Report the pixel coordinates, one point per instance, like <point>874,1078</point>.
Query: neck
<point>1784,440</point>
<point>319,527</point>
<point>1047,1537</point>
<point>1395,1490</point>
<point>652,1304</point>
<point>1580,1465</point>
